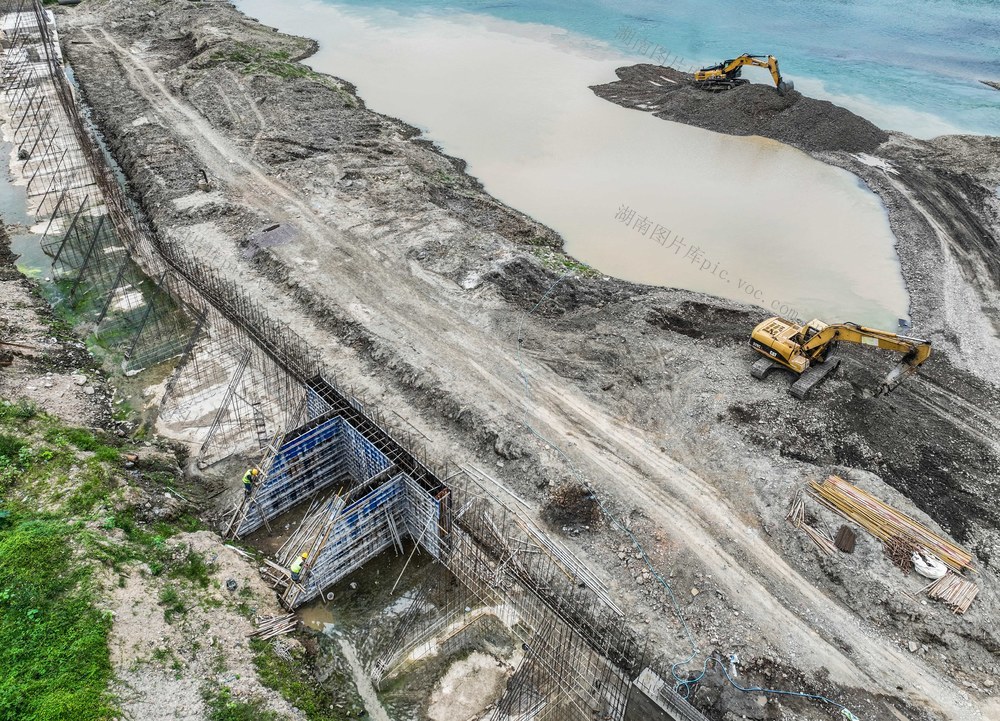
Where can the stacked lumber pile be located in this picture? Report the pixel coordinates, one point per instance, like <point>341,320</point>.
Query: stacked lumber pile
<point>797,517</point>
<point>271,626</point>
<point>885,522</point>
<point>954,590</point>
<point>304,537</point>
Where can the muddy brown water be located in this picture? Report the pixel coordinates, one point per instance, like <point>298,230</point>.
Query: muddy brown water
<point>634,196</point>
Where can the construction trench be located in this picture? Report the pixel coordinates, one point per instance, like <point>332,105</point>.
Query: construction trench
<point>363,483</point>
<point>261,390</point>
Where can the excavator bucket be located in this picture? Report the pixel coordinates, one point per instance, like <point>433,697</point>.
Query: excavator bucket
<point>785,86</point>
<point>896,376</point>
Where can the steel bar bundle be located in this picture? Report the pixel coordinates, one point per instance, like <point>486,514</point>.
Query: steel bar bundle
<point>900,552</point>
<point>885,522</point>
<point>954,590</point>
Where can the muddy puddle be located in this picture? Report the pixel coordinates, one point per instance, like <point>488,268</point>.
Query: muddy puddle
<point>25,240</point>
<point>633,196</point>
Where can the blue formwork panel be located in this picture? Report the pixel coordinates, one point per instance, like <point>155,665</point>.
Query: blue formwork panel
<point>313,460</point>
<point>364,460</point>
<point>315,405</point>
<point>423,516</point>
<point>307,464</point>
<point>360,533</point>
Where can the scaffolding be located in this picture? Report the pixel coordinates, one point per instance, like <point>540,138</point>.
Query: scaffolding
<point>580,655</point>
<point>90,227</point>
<point>384,496</point>
<point>366,494</point>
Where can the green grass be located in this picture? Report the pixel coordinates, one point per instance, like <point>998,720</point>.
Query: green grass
<point>81,439</point>
<point>560,262</point>
<point>222,707</point>
<point>291,679</point>
<point>440,177</point>
<point>92,487</point>
<point>193,567</point>
<point>173,604</point>
<point>22,410</point>
<point>256,60</point>
<point>10,448</point>
<point>54,660</point>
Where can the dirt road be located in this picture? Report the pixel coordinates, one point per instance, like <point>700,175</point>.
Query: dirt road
<point>427,311</point>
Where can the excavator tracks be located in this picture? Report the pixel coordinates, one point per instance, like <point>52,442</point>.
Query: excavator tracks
<point>816,374</point>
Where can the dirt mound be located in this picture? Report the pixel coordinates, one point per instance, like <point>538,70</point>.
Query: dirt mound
<point>793,118</point>
<point>571,504</point>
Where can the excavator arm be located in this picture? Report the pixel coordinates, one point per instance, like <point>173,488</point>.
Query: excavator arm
<point>915,350</point>
<point>727,74</point>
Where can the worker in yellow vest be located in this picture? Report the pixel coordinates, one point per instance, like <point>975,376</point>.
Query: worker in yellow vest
<point>296,568</point>
<point>248,479</point>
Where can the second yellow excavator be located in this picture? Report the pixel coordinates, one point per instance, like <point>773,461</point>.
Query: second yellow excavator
<point>805,349</point>
<point>728,74</point>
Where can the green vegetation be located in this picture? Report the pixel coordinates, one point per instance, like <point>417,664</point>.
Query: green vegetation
<point>290,678</point>
<point>539,241</point>
<point>258,60</point>
<point>560,263</point>
<point>222,707</point>
<point>276,62</point>
<point>440,177</point>
<point>54,660</point>
<point>173,605</point>
<point>193,567</point>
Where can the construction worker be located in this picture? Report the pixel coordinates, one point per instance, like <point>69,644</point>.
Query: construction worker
<point>248,479</point>
<point>296,568</point>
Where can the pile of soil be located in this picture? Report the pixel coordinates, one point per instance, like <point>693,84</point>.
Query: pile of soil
<point>808,124</point>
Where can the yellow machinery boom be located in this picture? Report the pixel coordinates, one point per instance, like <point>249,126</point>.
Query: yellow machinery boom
<point>728,74</point>
<point>805,349</point>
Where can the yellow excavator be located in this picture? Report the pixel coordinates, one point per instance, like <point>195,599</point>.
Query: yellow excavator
<point>805,350</point>
<point>728,74</point>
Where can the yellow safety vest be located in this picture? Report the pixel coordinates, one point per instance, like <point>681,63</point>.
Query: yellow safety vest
<point>297,565</point>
